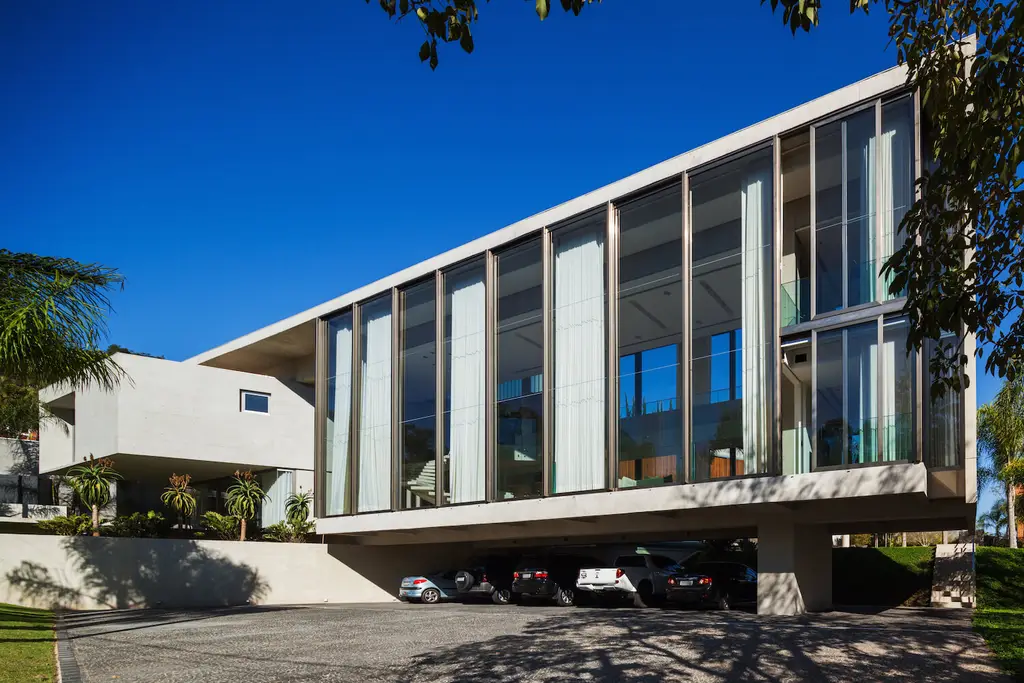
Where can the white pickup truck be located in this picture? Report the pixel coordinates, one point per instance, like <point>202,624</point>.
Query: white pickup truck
<point>642,577</point>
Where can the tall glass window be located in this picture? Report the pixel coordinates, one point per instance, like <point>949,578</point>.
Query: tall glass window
<point>465,308</point>
<point>579,357</point>
<point>375,406</point>
<point>339,414</point>
<point>846,400</point>
<point>731,304</point>
<point>419,397</point>
<point>795,268</point>
<point>898,390</point>
<point>650,339</point>
<point>845,196</point>
<point>896,175</point>
<point>945,436</point>
<point>520,373</point>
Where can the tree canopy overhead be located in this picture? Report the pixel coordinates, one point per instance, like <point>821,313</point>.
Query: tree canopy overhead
<point>969,201</point>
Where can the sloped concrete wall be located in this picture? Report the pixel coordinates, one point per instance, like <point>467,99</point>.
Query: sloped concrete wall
<point>80,572</point>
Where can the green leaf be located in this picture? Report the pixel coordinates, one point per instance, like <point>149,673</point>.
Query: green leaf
<point>543,7</point>
<point>466,41</point>
<point>425,51</point>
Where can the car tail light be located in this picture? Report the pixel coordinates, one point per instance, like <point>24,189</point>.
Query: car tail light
<point>541,575</point>
<point>418,582</point>
<point>704,581</point>
<point>619,573</point>
<point>515,575</point>
<point>671,582</point>
<point>483,579</point>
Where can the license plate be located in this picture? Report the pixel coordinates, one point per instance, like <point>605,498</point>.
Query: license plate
<point>527,575</point>
<point>686,583</point>
<point>403,592</point>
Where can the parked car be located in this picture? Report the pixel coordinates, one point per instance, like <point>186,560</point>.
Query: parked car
<point>716,584</point>
<point>481,578</point>
<point>641,577</point>
<point>550,576</point>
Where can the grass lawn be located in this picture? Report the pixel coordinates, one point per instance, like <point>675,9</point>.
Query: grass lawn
<point>999,617</point>
<point>26,645</point>
<point>882,576</point>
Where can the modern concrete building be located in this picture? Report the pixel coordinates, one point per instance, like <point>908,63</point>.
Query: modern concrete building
<point>705,348</point>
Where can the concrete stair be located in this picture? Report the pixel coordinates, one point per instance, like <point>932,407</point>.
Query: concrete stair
<point>953,576</point>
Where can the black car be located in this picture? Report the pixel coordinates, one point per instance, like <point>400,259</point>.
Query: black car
<point>488,576</point>
<point>715,584</point>
<point>550,576</point>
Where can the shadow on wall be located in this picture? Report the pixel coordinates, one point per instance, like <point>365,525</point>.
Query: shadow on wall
<point>385,566</point>
<point>124,573</point>
<point>882,576</point>
<point>649,647</point>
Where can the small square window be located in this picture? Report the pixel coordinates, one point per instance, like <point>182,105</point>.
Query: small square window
<point>254,402</point>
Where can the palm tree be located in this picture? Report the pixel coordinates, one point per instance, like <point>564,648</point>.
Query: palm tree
<point>244,498</point>
<point>996,517</point>
<point>1001,436</point>
<point>179,496</point>
<point>91,481</point>
<point>52,319</point>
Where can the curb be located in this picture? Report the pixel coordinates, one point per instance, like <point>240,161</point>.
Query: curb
<point>67,665</point>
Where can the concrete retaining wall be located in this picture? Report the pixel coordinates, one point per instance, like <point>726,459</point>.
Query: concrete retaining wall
<point>80,572</point>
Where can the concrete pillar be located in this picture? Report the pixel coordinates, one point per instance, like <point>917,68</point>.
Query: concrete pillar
<point>794,568</point>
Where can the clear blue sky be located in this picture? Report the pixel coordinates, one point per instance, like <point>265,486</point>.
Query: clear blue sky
<point>242,161</point>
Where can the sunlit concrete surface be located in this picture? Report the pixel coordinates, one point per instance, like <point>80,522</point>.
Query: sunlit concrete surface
<point>472,643</point>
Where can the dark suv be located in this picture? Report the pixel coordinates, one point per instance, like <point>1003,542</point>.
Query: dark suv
<point>550,576</point>
<point>487,576</point>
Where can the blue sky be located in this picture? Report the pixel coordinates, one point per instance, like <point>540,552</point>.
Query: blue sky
<point>242,161</point>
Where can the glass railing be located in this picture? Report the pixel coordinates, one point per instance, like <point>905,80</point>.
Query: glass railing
<point>795,302</point>
<point>898,437</point>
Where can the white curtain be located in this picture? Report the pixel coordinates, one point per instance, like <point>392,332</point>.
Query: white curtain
<point>466,436</point>
<point>278,485</point>
<point>889,424</point>
<point>867,257</point>
<point>897,184</point>
<point>375,414</point>
<point>755,213</point>
<point>579,363</point>
<point>865,364</point>
<point>338,428</point>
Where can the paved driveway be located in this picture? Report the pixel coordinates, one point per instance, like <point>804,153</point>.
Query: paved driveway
<point>486,643</point>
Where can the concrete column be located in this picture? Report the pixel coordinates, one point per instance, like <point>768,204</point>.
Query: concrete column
<point>794,563</point>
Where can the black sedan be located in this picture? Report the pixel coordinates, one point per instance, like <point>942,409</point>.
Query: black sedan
<point>713,584</point>
<point>552,577</point>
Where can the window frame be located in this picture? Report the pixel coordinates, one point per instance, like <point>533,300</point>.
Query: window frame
<point>245,393</point>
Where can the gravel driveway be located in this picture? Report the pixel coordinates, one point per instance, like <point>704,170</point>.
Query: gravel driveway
<point>470,643</point>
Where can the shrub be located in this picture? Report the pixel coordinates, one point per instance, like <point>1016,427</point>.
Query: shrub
<point>224,527</point>
<point>71,525</point>
<point>288,532</point>
<point>137,525</point>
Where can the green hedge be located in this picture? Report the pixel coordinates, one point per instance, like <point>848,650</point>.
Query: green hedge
<point>882,576</point>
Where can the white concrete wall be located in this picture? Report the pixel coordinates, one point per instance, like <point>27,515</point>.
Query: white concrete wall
<point>178,410</point>
<point>56,444</point>
<point>81,572</point>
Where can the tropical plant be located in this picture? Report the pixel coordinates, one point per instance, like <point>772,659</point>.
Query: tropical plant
<point>292,531</point>
<point>180,496</point>
<point>245,497</point>
<point>1001,438</point>
<point>137,525</point>
<point>70,525</point>
<point>91,481</point>
<point>971,199</point>
<point>296,508</point>
<point>995,517</point>
<point>52,319</point>
<point>224,527</point>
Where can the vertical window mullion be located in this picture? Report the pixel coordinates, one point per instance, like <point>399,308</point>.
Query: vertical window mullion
<point>774,456</point>
<point>879,386</point>
<point>881,291</point>
<point>547,372</point>
<point>439,370</point>
<point>920,359</point>
<point>814,400</point>
<point>320,401</point>
<point>845,444</point>
<point>686,350</point>
<point>843,223</point>
<point>814,229</point>
<point>396,398</point>
<point>356,394</point>
<point>490,389</point>
<point>612,350</point>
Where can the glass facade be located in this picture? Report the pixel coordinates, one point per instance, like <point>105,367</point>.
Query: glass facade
<point>680,334</point>
<point>650,328</point>
<point>519,359</point>
<point>418,418</point>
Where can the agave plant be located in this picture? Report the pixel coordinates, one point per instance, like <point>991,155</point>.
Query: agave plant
<point>179,495</point>
<point>296,508</point>
<point>244,499</point>
<point>91,481</point>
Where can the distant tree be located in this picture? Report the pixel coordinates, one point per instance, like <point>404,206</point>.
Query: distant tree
<point>19,408</point>
<point>1001,438</point>
<point>245,497</point>
<point>115,348</point>
<point>180,496</point>
<point>972,199</point>
<point>91,481</point>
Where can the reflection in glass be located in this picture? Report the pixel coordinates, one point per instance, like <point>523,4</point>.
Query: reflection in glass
<point>374,492</point>
<point>579,357</point>
<point>795,292</point>
<point>520,367</point>
<point>465,312</point>
<point>897,392</point>
<point>339,404</point>
<point>896,175</point>
<point>650,339</point>
<point>795,384</point>
<point>847,404</point>
<point>731,300</point>
<point>945,435</point>
<point>418,380</point>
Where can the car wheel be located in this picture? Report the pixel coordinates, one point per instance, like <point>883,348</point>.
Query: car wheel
<point>644,596</point>
<point>501,596</point>
<point>430,596</point>
<point>723,602</point>
<point>565,597</point>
